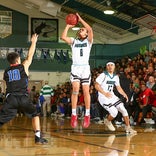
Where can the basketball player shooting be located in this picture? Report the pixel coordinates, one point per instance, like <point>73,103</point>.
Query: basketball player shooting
<point>16,78</point>
<point>80,69</point>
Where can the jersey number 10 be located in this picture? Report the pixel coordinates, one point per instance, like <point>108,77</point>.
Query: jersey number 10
<point>14,75</point>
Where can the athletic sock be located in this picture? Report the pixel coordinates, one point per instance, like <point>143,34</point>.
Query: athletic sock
<point>73,111</point>
<point>38,133</point>
<point>87,112</point>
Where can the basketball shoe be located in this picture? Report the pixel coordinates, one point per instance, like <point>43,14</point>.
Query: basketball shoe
<point>130,130</point>
<point>40,140</point>
<point>86,121</point>
<point>73,121</point>
<point>109,125</point>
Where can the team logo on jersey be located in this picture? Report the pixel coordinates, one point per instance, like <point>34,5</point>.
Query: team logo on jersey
<point>81,45</point>
<point>110,82</point>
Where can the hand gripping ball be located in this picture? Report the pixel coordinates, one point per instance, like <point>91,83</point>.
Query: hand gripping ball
<point>72,19</point>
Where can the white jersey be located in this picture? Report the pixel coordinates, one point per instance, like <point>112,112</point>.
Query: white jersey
<point>107,83</point>
<point>80,51</point>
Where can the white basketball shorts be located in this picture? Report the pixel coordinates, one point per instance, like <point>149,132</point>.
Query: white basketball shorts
<point>80,73</point>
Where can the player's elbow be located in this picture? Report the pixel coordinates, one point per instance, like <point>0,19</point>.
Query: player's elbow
<point>63,37</point>
<point>90,30</point>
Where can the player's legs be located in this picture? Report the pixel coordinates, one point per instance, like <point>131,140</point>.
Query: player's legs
<point>75,80</point>
<point>124,113</point>
<point>80,73</point>
<point>9,109</point>
<point>75,92</point>
<point>36,123</point>
<point>74,99</point>
<point>85,80</point>
<point>86,94</point>
<point>30,110</point>
<point>112,114</point>
<point>7,115</point>
<point>37,130</point>
<point>109,117</point>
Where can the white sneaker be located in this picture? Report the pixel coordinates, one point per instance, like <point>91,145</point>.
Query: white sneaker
<point>130,130</point>
<point>109,125</point>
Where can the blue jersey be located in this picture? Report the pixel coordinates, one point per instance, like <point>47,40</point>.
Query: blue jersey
<point>16,79</point>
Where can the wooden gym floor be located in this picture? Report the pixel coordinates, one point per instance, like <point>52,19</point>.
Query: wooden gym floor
<point>17,139</point>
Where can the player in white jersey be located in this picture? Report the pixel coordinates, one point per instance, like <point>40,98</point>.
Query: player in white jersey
<point>105,83</point>
<point>80,69</point>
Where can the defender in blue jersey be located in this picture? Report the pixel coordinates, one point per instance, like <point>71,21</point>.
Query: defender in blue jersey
<point>16,78</point>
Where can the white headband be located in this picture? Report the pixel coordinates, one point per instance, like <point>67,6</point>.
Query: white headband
<point>110,63</point>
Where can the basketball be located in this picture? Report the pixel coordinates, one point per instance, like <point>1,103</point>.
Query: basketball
<point>71,19</point>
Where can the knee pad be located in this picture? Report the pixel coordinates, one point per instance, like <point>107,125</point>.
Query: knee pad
<point>75,93</point>
<point>113,112</point>
<point>123,110</point>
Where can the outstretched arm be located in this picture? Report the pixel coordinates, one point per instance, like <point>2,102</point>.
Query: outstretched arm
<point>88,27</point>
<point>31,52</point>
<point>64,36</point>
